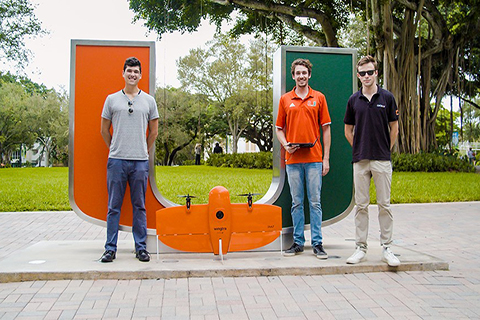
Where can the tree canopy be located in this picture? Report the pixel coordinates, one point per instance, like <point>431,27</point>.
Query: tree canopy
<point>235,85</point>
<point>31,113</point>
<point>426,48</point>
<point>17,21</point>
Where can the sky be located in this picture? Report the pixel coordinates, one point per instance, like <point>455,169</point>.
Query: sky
<point>99,20</point>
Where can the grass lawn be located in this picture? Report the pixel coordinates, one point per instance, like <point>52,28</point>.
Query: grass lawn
<point>39,189</point>
<point>422,187</point>
<point>199,180</point>
<point>34,189</point>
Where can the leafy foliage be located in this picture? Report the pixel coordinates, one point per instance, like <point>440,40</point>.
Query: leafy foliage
<point>257,160</point>
<point>232,81</point>
<point>319,22</point>
<point>182,115</point>
<point>430,162</point>
<point>31,113</point>
<point>17,21</point>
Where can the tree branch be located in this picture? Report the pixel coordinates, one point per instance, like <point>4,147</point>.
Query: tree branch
<point>284,11</point>
<point>471,102</point>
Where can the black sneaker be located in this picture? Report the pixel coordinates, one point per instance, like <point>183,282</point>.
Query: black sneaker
<point>294,249</point>
<point>143,255</point>
<point>319,252</point>
<point>108,256</point>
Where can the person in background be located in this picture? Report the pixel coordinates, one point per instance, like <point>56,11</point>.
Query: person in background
<point>471,156</point>
<point>217,148</point>
<point>198,153</point>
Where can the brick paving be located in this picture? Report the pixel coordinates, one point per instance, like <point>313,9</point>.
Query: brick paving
<point>446,230</point>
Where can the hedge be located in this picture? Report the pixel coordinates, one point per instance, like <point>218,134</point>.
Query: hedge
<point>257,160</point>
<point>430,162</point>
<point>424,162</point>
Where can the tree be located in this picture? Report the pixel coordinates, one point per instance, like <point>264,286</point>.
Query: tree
<point>444,129</point>
<point>426,48</point>
<point>14,128</point>
<point>259,130</point>
<point>218,72</point>
<point>182,115</point>
<point>471,122</point>
<point>423,46</point>
<point>48,119</point>
<point>17,21</point>
<point>317,21</point>
<point>32,113</point>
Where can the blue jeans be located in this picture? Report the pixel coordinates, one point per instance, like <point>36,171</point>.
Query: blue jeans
<point>311,174</point>
<point>119,172</point>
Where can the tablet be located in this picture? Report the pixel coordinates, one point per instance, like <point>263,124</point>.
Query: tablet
<point>302,145</point>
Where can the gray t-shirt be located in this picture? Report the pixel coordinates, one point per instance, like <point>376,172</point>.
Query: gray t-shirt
<point>129,140</point>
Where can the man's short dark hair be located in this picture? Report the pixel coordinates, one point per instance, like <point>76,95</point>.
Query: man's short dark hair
<point>302,62</point>
<point>367,59</point>
<point>132,62</point>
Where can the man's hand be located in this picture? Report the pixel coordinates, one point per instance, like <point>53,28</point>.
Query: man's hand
<point>326,167</point>
<point>290,149</point>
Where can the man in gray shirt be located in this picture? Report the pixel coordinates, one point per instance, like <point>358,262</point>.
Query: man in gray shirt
<point>131,113</point>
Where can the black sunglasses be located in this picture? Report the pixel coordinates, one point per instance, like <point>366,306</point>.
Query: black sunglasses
<point>130,109</point>
<point>363,73</point>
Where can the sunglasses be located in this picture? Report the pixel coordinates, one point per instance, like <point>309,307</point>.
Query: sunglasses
<point>363,73</point>
<point>130,109</point>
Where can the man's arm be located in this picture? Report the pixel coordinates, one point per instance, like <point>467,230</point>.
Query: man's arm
<point>283,141</point>
<point>393,133</point>
<point>152,133</point>
<point>349,133</point>
<point>105,131</point>
<point>327,141</point>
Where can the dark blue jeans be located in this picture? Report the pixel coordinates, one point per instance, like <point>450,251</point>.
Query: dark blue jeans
<point>119,172</point>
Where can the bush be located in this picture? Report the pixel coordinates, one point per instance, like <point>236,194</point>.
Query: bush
<point>259,160</point>
<point>429,162</point>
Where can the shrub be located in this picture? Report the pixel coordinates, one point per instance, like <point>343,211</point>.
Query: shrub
<point>429,162</point>
<point>258,160</point>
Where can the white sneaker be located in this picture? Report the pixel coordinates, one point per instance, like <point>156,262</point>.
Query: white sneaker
<point>357,256</point>
<point>390,258</point>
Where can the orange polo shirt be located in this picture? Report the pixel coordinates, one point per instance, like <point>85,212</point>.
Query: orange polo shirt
<point>302,120</point>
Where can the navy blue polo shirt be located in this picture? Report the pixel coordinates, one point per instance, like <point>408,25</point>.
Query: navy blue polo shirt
<point>371,139</point>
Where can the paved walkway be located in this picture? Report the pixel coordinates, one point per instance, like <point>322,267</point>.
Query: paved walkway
<point>447,231</point>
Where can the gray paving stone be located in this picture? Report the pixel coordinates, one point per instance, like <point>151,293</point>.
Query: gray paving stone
<point>446,294</point>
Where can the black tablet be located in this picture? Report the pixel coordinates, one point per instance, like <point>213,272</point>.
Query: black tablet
<point>302,145</point>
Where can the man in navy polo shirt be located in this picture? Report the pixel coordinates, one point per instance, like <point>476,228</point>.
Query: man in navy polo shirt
<point>371,128</point>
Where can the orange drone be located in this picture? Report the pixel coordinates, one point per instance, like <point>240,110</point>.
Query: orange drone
<point>219,226</point>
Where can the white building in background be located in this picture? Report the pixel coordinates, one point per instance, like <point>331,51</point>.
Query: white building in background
<point>245,146</point>
<point>33,156</point>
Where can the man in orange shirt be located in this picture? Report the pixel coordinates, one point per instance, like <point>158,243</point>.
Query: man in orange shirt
<point>302,115</point>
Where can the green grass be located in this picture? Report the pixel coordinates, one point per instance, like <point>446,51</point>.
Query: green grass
<point>199,180</point>
<point>39,189</point>
<point>422,187</point>
<point>34,189</point>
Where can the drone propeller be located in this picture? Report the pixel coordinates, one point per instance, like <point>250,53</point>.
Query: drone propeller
<point>186,196</point>
<point>249,197</point>
<point>188,201</point>
<point>248,194</point>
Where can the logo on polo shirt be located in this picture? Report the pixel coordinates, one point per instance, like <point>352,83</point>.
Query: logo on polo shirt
<point>292,105</point>
<point>380,106</point>
<point>312,103</point>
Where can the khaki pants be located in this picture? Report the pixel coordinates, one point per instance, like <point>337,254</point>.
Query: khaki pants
<point>381,171</point>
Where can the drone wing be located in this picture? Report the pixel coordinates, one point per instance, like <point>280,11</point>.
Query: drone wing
<point>254,227</point>
<point>185,230</point>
